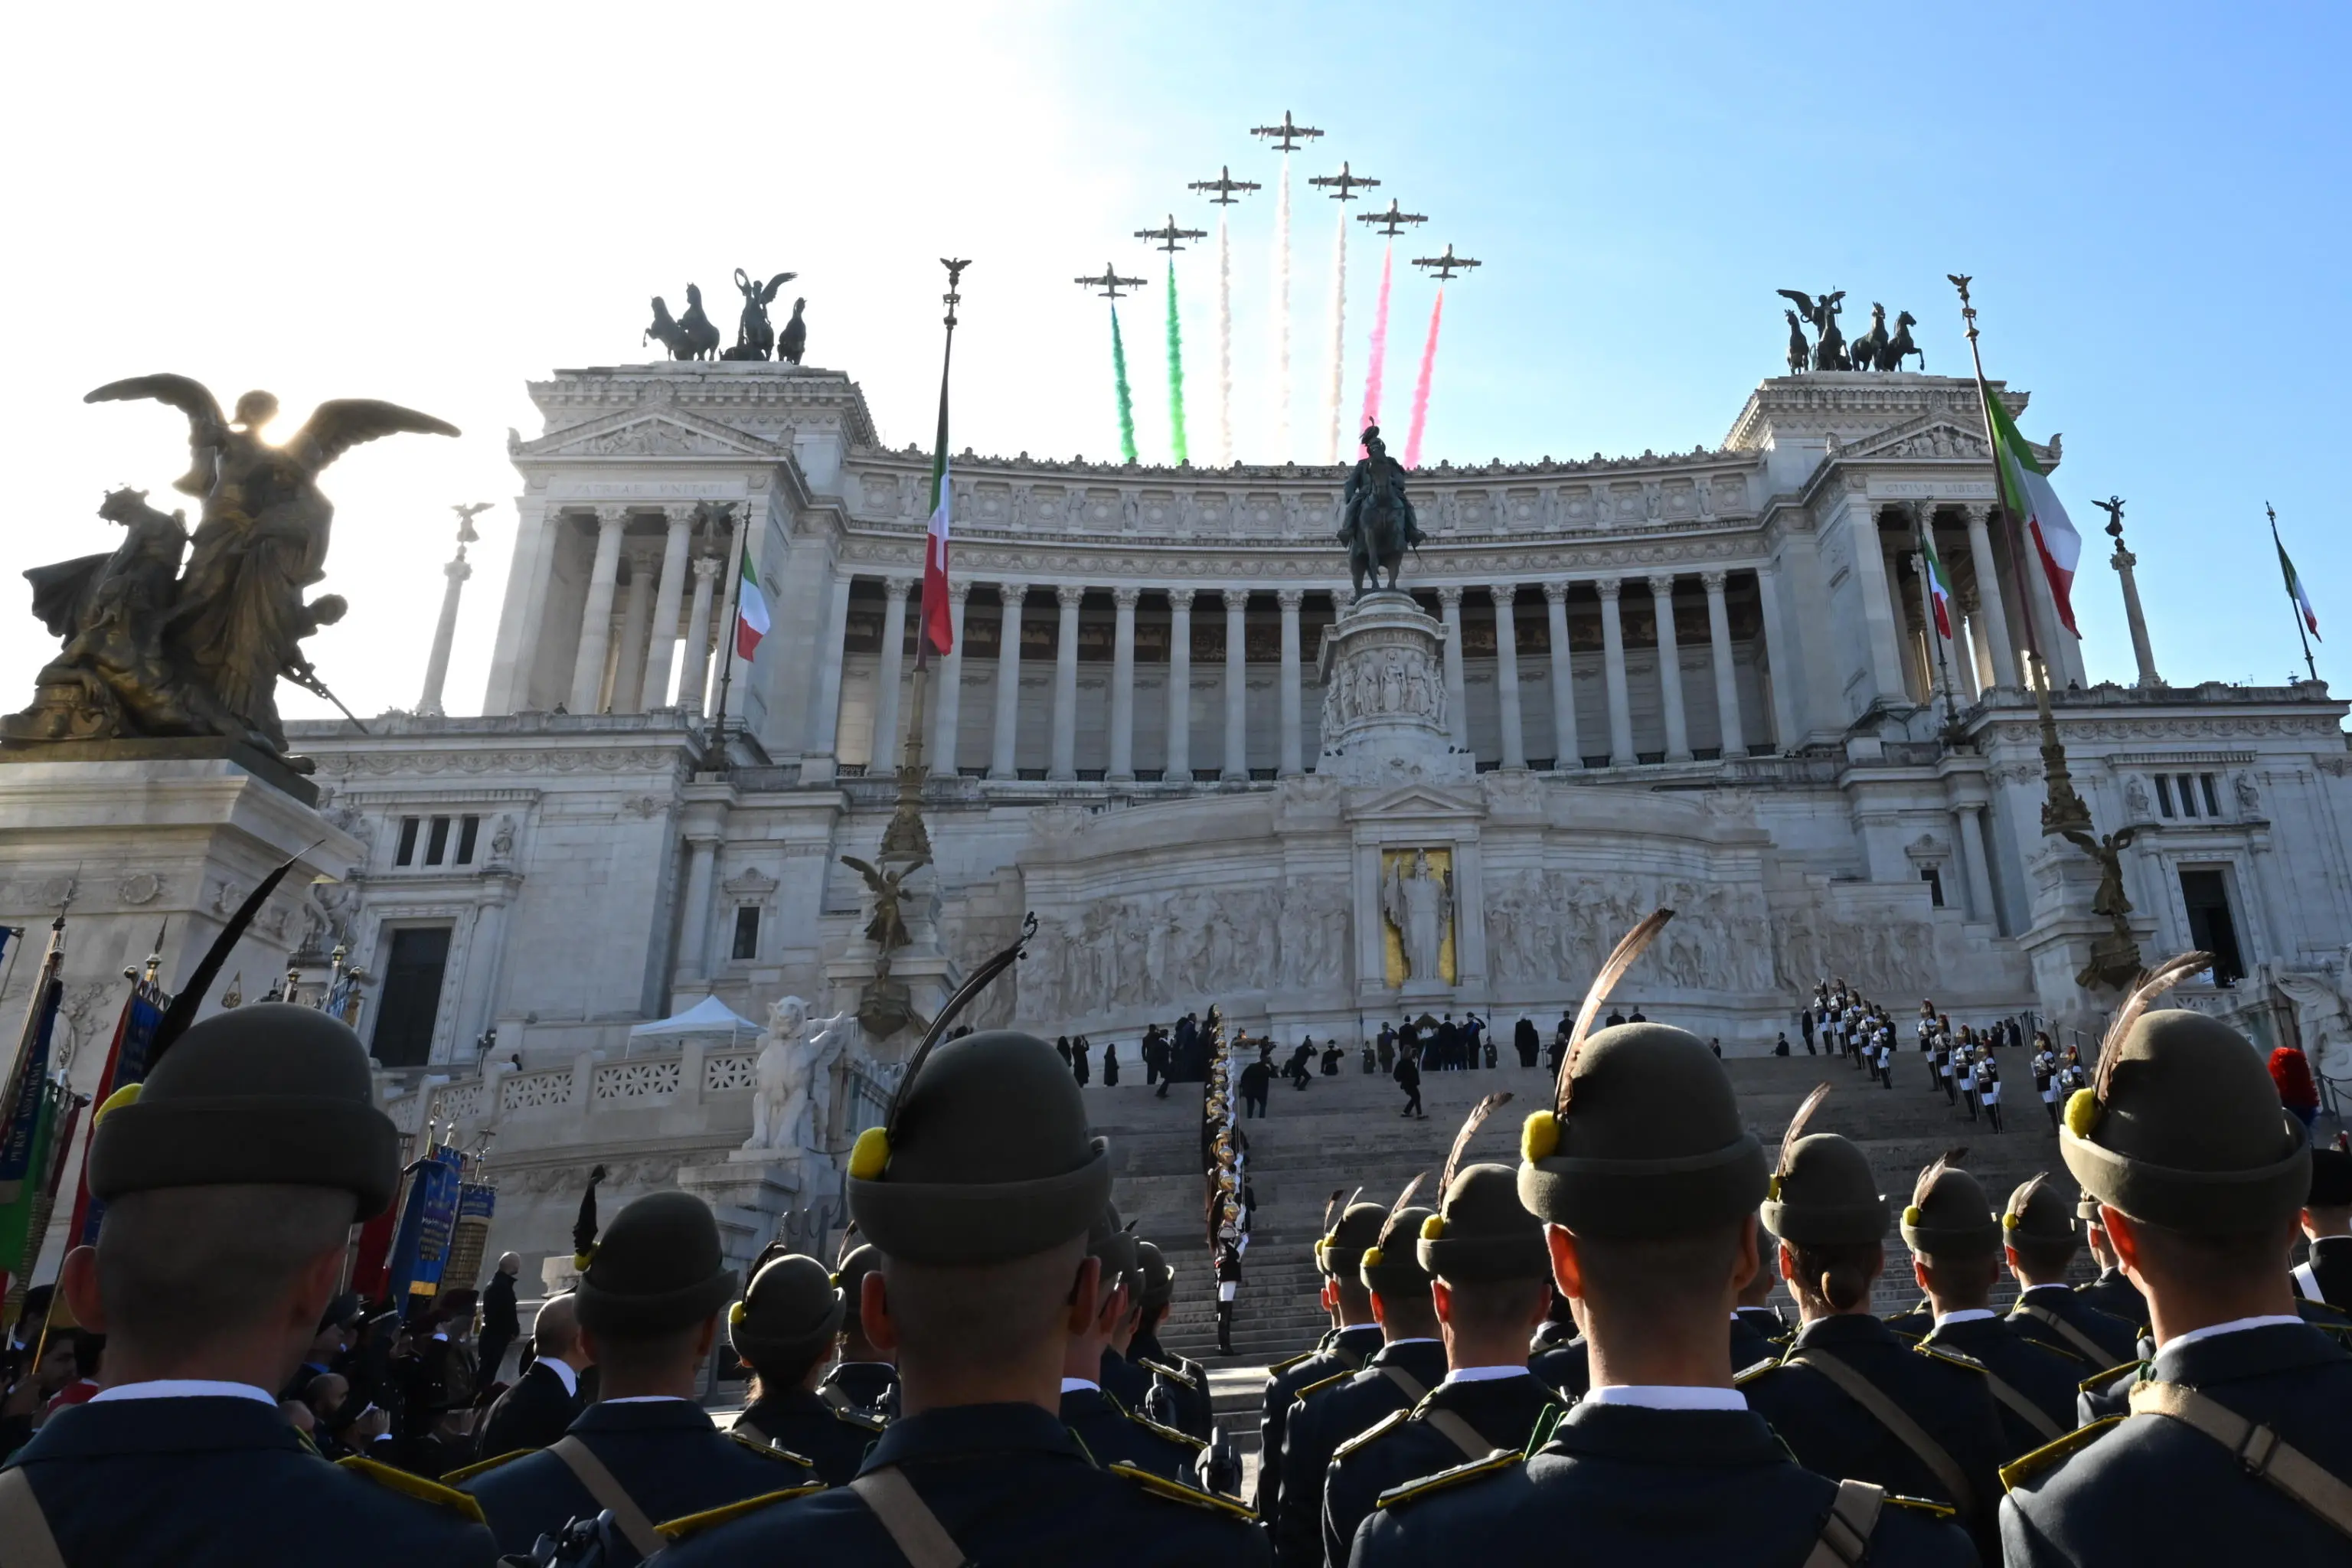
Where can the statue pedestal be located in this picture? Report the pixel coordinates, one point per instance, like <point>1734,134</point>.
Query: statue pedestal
<point>927,976</point>
<point>2066,938</point>
<point>1383,676</point>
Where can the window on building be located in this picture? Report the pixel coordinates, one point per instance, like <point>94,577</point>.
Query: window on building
<point>436,841</point>
<point>2187,788</point>
<point>1933,877</point>
<point>406,854</point>
<point>747,933</point>
<point>2213,799</point>
<point>468,828</point>
<point>2211,928</point>
<point>412,996</point>
<point>2164,795</point>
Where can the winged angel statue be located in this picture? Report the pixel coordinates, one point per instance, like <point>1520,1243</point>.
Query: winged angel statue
<point>151,649</point>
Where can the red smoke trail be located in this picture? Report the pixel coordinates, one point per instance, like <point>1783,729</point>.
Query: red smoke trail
<point>1420,391</point>
<point>1379,350</point>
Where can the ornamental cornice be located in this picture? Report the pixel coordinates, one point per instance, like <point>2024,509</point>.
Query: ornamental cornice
<point>1475,568</point>
<point>391,763</point>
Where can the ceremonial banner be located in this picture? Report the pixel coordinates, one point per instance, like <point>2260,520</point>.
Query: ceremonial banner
<point>421,1248</point>
<point>126,1063</point>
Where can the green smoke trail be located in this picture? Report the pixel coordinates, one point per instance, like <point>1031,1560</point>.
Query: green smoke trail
<point>1175,371</point>
<point>1126,399</point>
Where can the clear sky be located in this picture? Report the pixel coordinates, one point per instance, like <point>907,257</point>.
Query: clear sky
<point>433,204</point>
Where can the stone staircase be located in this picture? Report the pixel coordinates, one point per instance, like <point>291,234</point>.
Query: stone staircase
<point>1343,1131</point>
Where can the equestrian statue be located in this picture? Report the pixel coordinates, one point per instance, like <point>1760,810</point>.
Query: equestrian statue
<point>1377,522</point>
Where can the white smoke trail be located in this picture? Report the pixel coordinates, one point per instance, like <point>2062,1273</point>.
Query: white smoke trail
<point>1224,342</point>
<point>1339,339</point>
<point>1282,319</point>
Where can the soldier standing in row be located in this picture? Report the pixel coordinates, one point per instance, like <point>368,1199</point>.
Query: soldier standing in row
<point>1353,1340</point>
<point>2038,1228</point>
<point>864,1378</point>
<point>1112,1430</point>
<point>784,1329</point>
<point>1180,1386</point>
<point>232,1178</point>
<point>2326,1218</point>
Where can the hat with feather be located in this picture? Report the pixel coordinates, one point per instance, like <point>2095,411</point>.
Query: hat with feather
<point>1391,1266</point>
<point>1822,1192</point>
<point>1948,1214</point>
<point>1481,1231</point>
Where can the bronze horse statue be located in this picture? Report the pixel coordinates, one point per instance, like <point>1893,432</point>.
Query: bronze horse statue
<point>1900,347</point>
<point>690,335</point>
<point>1378,524</point>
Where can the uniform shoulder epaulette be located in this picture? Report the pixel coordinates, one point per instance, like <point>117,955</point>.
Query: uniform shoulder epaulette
<point>773,1450</point>
<point>2099,1381</point>
<point>2025,1467</point>
<point>1389,1423</point>
<point>1279,1368</point>
<point>1397,1496</point>
<point>1321,1384</point>
<point>1171,1433</point>
<point>1177,1372</point>
<point>417,1486</point>
<point>1159,1486</point>
<point>480,1466</point>
<point>1932,1508</point>
<point>1745,1375</point>
<point>865,1420</point>
<point>1955,1357</point>
<point>696,1523</point>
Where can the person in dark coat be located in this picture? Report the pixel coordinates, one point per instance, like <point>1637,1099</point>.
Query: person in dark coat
<point>1113,1426</point>
<point>1081,1058</point>
<point>1301,1069</point>
<point>1110,1064</point>
<point>1526,1041</point>
<point>1180,1387</point>
<point>1061,1044</point>
<point>2327,1220</point>
<point>865,1378</point>
<point>1559,1045</point>
<point>231,1178</point>
<point>784,1329</point>
<point>501,1322</point>
<point>1408,1077</point>
<point>540,1405</point>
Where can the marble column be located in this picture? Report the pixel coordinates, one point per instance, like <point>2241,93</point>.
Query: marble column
<point>1507,675</point>
<point>947,716</point>
<point>1065,683</point>
<point>1236,764</point>
<point>1289,763</point>
<point>1882,616</point>
<point>889,676</point>
<point>1457,702</point>
<point>1612,665</point>
<point>661,647</point>
<point>597,615</point>
<point>1981,665</point>
<point>1776,657</point>
<point>825,716</point>
<point>444,635</point>
<point>1911,637</point>
<point>636,623</point>
<point>1731,736</point>
<point>1122,685</point>
<point>1179,687</point>
<point>1670,669</point>
<point>2123,561</point>
<point>1001,760</point>
<point>1972,855</point>
<point>1566,749</point>
<point>2006,669</point>
<point>694,672</point>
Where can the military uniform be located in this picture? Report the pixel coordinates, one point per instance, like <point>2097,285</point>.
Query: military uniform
<point>831,1439</point>
<point>2235,1448</point>
<point>2118,1297</point>
<point>2326,1275</point>
<point>784,1326</point>
<point>1341,1350</point>
<point>2038,1221</point>
<point>1114,1430</point>
<point>1178,1394</point>
<point>984,1160</point>
<point>1756,1332</point>
<point>869,1387</point>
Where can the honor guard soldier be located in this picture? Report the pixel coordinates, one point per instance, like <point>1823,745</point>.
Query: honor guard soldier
<point>1955,1250</point>
<point>231,1179</point>
<point>2326,1275</point>
<point>1353,1340</point>
<point>784,1329</point>
<point>864,1378</point>
<point>1411,1361</point>
<point>1180,1387</point>
<point>1111,1431</point>
<point>1648,1183</point>
<point>2237,1446</point>
<point>1851,1397</point>
<point>978,1193</point>
<point>1119,1378</point>
<point>1492,1286</point>
<point>2038,1228</point>
<point>650,1296</point>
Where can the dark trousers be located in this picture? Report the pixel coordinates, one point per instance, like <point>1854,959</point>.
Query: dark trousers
<point>493,1349</point>
<point>1253,1105</point>
<point>1299,1076</point>
<point>1992,1115</point>
<point>1411,1101</point>
<point>1226,1327</point>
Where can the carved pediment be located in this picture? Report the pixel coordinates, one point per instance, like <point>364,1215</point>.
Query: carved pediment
<point>665,431</point>
<point>1929,436</point>
<point>1417,800</point>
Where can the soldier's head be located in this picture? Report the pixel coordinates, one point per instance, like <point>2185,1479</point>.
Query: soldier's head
<point>1158,1287</point>
<point>2038,1233</point>
<point>651,1293</point>
<point>1341,1256</point>
<point>1113,1250</point>
<point>1955,1239</point>
<point>850,1274</point>
<point>786,1327</point>
<point>1394,1276</point>
<point>1490,1275</point>
<point>232,1177</point>
<point>979,1196</point>
<point>1826,1211</point>
<point>2328,1211</point>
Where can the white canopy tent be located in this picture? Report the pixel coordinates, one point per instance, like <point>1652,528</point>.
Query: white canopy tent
<point>709,1017</point>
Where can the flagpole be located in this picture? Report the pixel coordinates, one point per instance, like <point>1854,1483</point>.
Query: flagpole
<point>733,632</point>
<point>2292,608</point>
<point>911,769</point>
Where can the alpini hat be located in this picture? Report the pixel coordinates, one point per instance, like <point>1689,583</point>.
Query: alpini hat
<point>1644,1137</point>
<point>2039,1217</point>
<point>266,1095</point>
<point>1948,1215</point>
<point>1823,1192</point>
<point>849,1275</point>
<point>1115,1245</point>
<point>2331,1179</point>
<point>983,1158</point>
<point>788,1317</point>
<point>1481,1231</point>
<point>658,1268</point>
<point>1341,1251</point>
<point>1392,1266</point>
<point>2182,1126</point>
<point>1159,1280</point>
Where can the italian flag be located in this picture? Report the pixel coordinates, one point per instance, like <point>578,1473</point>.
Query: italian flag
<point>938,625</point>
<point>2025,490</point>
<point>2295,587</point>
<point>1939,589</point>
<point>751,609</point>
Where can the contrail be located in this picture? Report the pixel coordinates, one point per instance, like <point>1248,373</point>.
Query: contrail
<point>1379,345</point>
<point>1126,398</point>
<point>1420,389</point>
<point>1338,340</point>
<point>1282,319</point>
<point>1175,372</point>
<point>1225,341</point>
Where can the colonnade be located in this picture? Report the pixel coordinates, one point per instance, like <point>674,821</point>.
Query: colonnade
<point>635,676</point>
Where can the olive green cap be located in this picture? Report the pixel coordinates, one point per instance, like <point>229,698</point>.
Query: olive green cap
<point>1108,1240</point>
<point>1950,1217</point>
<point>850,1277</point>
<point>2039,1217</point>
<point>990,1159</point>
<point>1824,1194</point>
<point>1651,1142</point>
<point>657,1269</point>
<point>270,1094</point>
<point>789,1316</point>
<point>1159,1280</point>
<point>2187,1131</point>
<point>1393,1267</point>
<point>1482,1232</point>
<point>1341,1253</point>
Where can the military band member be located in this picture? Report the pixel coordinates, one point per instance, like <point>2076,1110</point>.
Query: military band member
<point>1180,1386</point>
<point>650,1296</point>
<point>2326,1219</point>
<point>2237,1447</point>
<point>1354,1339</point>
<point>232,1178</point>
<point>1111,1431</point>
<point>1851,1397</point>
<point>2041,1241</point>
<point>978,1194</point>
<point>1648,1183</point>
<point>784,1329</point>
<point>864,1378</point>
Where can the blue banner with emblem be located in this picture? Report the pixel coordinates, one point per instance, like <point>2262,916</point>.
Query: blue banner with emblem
<point>420,1249</point>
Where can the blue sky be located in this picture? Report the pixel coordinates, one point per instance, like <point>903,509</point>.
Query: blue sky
<point>2151,198</point>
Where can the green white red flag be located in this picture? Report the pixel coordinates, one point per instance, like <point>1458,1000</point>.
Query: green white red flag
<point>1940,591</point>
<point>751,608</point>
<point>2025,490</point>
<point>2295,587</point>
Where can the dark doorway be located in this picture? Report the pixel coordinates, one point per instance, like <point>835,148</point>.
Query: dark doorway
<point>2210,925</point>
<point>412,996</point>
